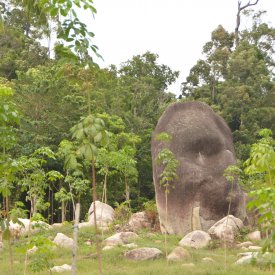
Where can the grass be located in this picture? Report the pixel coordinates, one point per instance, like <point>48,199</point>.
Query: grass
<point>115,264</point>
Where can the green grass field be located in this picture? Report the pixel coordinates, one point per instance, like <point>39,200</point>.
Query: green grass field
<point>114,262</point>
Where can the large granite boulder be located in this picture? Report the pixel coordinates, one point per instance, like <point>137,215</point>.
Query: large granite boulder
<point>202,142</point>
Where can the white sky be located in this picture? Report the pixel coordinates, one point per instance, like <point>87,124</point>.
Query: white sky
<point>174,29</point>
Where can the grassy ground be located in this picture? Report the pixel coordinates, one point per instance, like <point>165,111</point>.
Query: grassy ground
<point>114,262</point>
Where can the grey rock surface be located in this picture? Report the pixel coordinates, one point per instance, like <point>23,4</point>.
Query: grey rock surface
<point>144,253</point>
<point>202,142</point>
<point>195,239</point>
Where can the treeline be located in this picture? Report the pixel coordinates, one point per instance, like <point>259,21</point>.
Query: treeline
<point>51,107</point>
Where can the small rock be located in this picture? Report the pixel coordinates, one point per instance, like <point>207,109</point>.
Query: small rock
<point>178,254</point>
<point>130,245</point>
<point>244,244</point>
<point>208,260</point>
<point>120,238</point>
<point>158,241</point>
<point>248,253</point>
<point>145,253</point>
<point>188,265</point>
<point>61,268</point>
<point>63,241</point>
<point>254,236</point>
<point>32,250</point>
<point>254,247</point>
<point>107,247</point>
<point>89,242</point>
<point>248,258</point>
<point>196,239</point>
<point>244,248</point>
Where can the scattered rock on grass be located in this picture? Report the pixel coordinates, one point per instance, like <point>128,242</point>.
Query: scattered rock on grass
<point>208,260</point>
<point>254,247</point>
<point>247,257</point>
<point>61,268</point>
<point>104,214</point>
<point>130,245</point>
<point>63,241</point>
<point>32,250</point>
<point>120,238</point>
<point>107,247</point>
<point>244,244</point>
<point>226,228</point>
<point>254,236</point>
<point>196,239</point>
<point>178,254</point>
<point>145,253</point>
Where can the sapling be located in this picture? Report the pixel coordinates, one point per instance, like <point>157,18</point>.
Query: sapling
<point>167,160</point>
<point>89,134</point>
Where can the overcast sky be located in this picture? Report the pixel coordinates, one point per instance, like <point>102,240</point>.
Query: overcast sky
<point>176,29</point>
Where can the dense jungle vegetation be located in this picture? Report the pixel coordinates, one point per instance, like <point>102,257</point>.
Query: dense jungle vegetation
<point>63,119</point>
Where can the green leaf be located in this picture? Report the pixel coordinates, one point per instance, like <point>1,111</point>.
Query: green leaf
<point>98,137</point>
<point>54,12</point>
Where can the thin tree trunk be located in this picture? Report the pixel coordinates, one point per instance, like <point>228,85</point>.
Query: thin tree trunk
<point>49,199</point>
<point>98,248</point>
<point>52,206</point>
<point>7,205</point>
<point>166,220</point>
<point>62,211</point>
<point>75,237</point>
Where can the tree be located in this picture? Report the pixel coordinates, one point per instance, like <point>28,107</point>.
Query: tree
<point>17,52</point>
<point>260,168</point>
<point>239,83</point>
<point>34,179</point>
<point>90,132</point>
<point>9,119</point>
<point>238,19</point>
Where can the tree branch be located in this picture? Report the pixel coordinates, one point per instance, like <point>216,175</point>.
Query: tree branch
<point>247,5</point>
<point>238,20</point>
